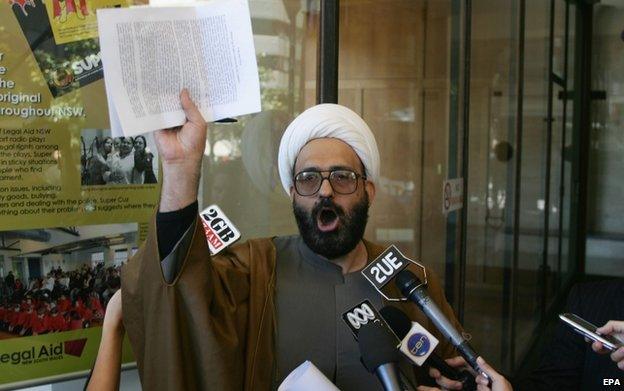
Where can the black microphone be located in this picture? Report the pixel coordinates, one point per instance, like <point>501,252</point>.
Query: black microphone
<point>402,325</point>
<point>380,355</point>
<point>413,289</point>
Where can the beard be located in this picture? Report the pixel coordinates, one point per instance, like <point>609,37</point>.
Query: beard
<point>340,241</point>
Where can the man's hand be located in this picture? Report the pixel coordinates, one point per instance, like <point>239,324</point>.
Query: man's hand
<point>499,383</point>
<point>181,150</point>
<point>456,362</point>
<point>616,329</point>
<point>185,143</point>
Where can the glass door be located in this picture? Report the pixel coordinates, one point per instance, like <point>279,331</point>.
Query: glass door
<point>605,211</point>
<point>555,267</point>
<point>519,175</point>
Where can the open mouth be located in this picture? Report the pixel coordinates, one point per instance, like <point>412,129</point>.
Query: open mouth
<point>327,220</point>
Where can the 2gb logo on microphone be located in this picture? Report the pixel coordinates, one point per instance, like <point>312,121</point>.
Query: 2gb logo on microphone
<point>220,232</point>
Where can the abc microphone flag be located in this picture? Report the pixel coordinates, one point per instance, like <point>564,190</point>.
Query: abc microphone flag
<point>362,314</point>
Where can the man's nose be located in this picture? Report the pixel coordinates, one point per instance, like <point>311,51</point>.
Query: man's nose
<point>326,189</point>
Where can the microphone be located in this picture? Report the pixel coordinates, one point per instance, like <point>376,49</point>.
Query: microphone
<point>406,329</point>
<point>379,354</point>
<point>413,289</point>
<point>220,231</point>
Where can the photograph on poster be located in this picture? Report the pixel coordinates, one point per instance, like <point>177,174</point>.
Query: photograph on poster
<point>60,279</point>
<point>117,161</point>
<point>65,66</point>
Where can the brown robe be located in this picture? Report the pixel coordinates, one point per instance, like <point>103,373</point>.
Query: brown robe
<point>214,327</point>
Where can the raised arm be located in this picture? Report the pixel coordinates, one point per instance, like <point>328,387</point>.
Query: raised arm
<point>181,150</point>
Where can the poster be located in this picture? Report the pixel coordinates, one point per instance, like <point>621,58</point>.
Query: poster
<point>53,302</point>
<point>74,202</point>
<point>47,134</point>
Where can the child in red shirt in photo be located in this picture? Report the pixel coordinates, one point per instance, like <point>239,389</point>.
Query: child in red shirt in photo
<point>75,320</point>
<point>3,312</point>
<point>63,304</point>
<point>86,314</point>
<point>41,323</point>
<point>25,321</point>
<point>96,306</point>
<point>58,321</point>
<point>13,317</point>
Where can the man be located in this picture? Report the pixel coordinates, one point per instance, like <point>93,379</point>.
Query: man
<point>247,317</point>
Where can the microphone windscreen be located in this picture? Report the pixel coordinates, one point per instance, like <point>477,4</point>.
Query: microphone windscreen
<point>406,281</point>
<point>397,320</point>
<point>378,346</point>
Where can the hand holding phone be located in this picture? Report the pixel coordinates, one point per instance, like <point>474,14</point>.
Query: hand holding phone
<point>614,328</point>
<point>590,331</point>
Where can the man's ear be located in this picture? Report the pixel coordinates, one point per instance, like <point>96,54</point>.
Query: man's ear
<point>369,187</point>
<point>292,193</point>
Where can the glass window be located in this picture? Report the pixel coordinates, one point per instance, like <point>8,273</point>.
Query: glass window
<point>605,233</point>
<point>240,167</point>
<point>395,72</point>
<point>492,152</point>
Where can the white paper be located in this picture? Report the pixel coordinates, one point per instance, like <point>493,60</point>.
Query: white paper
<point>150,53</point>
<point>307,377</point>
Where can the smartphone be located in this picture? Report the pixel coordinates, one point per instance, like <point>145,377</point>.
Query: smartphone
<point>588,330</point>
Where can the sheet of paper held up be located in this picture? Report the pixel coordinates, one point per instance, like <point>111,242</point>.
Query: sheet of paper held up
<point>150,53</point>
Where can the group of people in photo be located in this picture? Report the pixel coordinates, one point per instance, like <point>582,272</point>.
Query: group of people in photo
<point>60,301</point>
<point>119,160</point>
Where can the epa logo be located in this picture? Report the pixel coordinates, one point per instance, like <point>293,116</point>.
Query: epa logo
<point>611,382</point>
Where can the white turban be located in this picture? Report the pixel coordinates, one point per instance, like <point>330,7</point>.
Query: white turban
<point>333,121</point>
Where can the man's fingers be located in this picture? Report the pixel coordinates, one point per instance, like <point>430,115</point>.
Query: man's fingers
<point>482,380</point>
<point>425,388</point>
<point>448,383</point>
<point>443,381</point>
<point>455,362</point>
<point>499,383</point>
<point>612,326</point>
<point>487,368</point>
<point>618,355</point>
<point>598,347</point>
<point>190,109</point>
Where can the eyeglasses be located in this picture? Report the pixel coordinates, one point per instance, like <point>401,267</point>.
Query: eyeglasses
<point>308,183</point>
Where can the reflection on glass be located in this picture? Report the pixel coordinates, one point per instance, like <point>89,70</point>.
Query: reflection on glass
<point>240,166</point>
<point>509,286</point>
<point>395,73</point>
<point>605,236</point>
<point>492,154</point>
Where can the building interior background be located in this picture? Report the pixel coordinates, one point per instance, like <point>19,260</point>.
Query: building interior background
<point>523,99</point>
